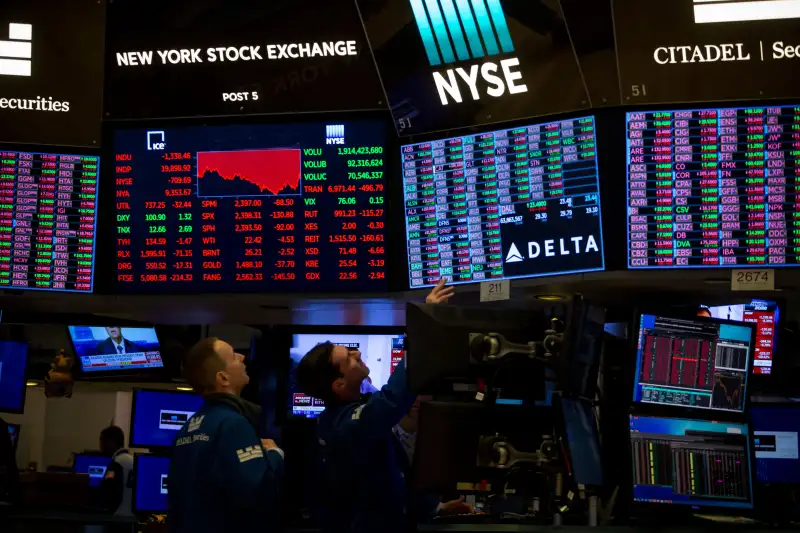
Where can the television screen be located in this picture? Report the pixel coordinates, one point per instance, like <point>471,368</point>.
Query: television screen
<point>515,203</point>
<point>693,363</point>
<point>711,188</point>
<point>691,462</point>
<point>158,415</point>
<point>93,465</point>
<point>449,64</point>
<point>48,219</point>
<point>13,363</point>
<point>150,492</point>
<point>244,57</point>
<point>765,315</point>
<point>282,207</point>
<point>381,353</point>
<point>775,436</point>
<point>115,348</point>
<point>13,432</point>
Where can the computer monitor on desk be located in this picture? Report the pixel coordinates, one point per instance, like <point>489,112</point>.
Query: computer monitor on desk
<point>695,363</point>
<point>775,437</point>
<point>92,464</point>
<point>697,463</point>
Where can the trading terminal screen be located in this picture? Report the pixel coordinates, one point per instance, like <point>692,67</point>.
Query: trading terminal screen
<point>48,221</point>
<point>692,363</point>
<point>691,462</point>
<point>764,314</point>
<point>94,466</point>
<point>289,207</point>
<point>775,438</point>
<point>515,203</point>
<point>713,188</point>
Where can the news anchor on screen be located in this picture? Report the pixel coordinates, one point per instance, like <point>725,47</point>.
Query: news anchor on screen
<point>116,343</point>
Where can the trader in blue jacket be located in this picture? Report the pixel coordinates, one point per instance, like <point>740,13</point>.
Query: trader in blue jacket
<point>222,476</point>
<point>362,462</point>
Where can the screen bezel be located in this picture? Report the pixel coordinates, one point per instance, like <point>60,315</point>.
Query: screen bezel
<point>134,506</point>
<point>644,508</point>
<point>107,238</point>
<point>283,404</point>
<point>688,412</point>
<point>131,433</point>
<point>117,372</point>
<point>23,395</point>
<point>770,404</point>
<point>622,117</point>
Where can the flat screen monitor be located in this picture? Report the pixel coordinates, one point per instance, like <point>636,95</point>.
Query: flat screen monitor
<point>13,432</point>
<point>48,221</point>
<point>115,348</point>
<point>691,462</point>
<point>299,206</point>
<point>765,315</point>
<point>380,352</point>
<point>583,441</point>
<point>696,363</point>
<point>775,438</point>
<point>711,188</point>
<point>515,203</point>
<point>13,364</point>
<point>158,415</point>
<point>94,465</point>
<point>150,490</point>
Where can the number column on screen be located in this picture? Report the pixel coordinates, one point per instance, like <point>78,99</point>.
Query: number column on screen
<point>731,183</point>
<point>88,219</point>
<point>451,217</point>
<point>446,226</point>
<point>68,220</point>
<point>420,207</point>
<point>44,234</point>
<point>24,222</point>
<point>777,152</point>
<point>578,163</point>
<point>554,177</point>
<point>513,177</point>
<point>792,180</point>
<point>705,179</point>
<point>639,212</point>
<point>535,170</point>
<point>123,182</point>
<point>660,163</point>
<point>755,193</point>
<point>486,241</point>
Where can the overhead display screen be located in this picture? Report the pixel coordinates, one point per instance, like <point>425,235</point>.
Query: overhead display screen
<point>48,205</point>
<point>455,63</point>
<point>178,58</point>
<point>281,207</point>
<point>513,203</point>
<point>713,188</point>
<point>51,71</point>
<point>706,50</point>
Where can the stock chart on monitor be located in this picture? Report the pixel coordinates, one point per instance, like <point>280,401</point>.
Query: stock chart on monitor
<point>513,203</point>
<point>699,363</point>
<point>251,208</point>
<point>764,315</point>
<point>48,205</point>
<point>713,188</point>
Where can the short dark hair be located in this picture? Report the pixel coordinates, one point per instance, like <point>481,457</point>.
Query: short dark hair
<point>113,435</point>
<point>316,372</point>
<point>201,364</point>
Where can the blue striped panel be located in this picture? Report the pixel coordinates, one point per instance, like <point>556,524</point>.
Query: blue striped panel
<point>440,30</point>
<point>487,32</point>
<point>500,25</point>
<point>425,32</point>
<point>469,27</point>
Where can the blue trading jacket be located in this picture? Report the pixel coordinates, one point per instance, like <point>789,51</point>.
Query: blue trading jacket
<point>362,486</point>
<point>221,479</point>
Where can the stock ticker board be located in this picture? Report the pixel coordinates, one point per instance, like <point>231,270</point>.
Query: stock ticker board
<point>513,203</point>
<point>713,188</point>
<point>251,208</point>
<point>48,205</point>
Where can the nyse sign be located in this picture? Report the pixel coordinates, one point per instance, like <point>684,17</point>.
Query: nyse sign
<point>689,50</point>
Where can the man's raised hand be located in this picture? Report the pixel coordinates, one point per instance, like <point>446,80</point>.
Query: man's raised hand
<point>440,293</point>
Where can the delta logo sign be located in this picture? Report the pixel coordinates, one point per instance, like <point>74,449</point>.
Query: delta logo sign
<point>456,31</point>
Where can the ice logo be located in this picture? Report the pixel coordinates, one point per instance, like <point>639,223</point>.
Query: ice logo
<point>15,54</point>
